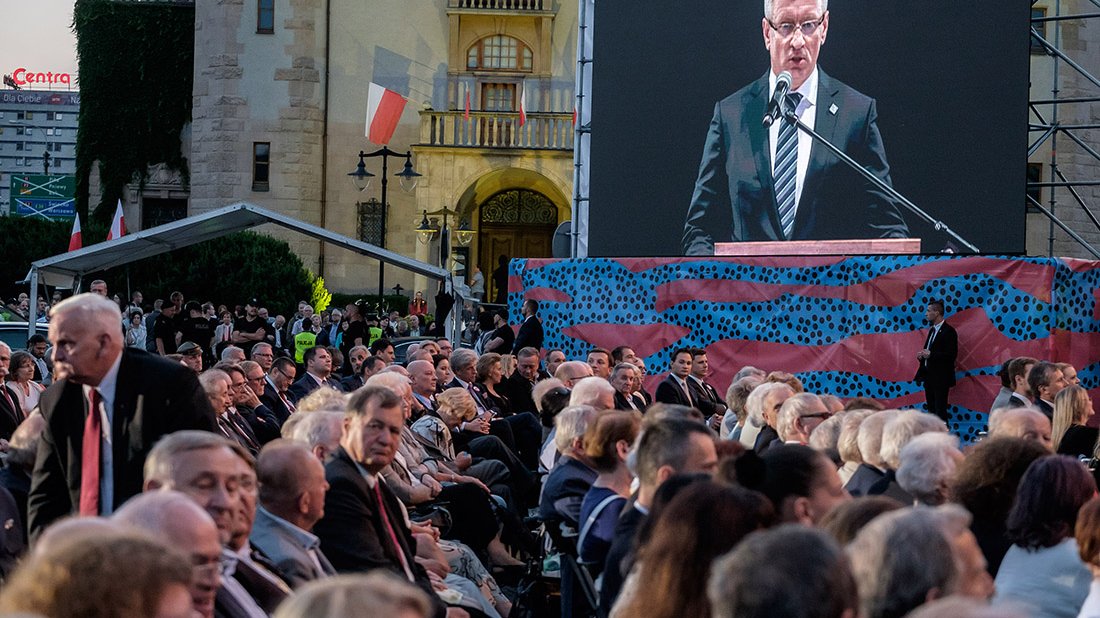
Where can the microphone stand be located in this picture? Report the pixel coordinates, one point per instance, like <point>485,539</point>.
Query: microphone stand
<point>791,117</point>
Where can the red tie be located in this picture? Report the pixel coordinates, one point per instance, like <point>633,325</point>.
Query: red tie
<point>390,530</point>
<point>89,458</point>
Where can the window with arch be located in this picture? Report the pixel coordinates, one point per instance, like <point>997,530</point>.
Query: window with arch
<point>499,53</point>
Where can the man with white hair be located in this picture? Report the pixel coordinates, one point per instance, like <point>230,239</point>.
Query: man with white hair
<point>896,433</point>
<point>763,406</point>
<point>928,466</point>
<point>106,413</point>
<point>1026,423</point>
<point>594,391</point>
<point>572,476</point>
<point>799,415</point>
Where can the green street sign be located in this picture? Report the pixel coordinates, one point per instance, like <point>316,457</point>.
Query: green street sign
<point>41,195</point>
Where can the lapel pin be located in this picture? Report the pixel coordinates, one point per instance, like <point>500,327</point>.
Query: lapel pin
<point>833,109</point>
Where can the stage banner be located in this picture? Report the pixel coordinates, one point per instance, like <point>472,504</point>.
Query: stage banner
<point>845,326</point>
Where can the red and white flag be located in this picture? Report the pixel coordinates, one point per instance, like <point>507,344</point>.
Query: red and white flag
<point>384,109</point>
<point>118,224</point>
<point>75,239</point>
<point>466,113</point>
<point>522,104</point>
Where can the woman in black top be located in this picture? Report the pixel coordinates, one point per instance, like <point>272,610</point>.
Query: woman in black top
<point>1070,435</point>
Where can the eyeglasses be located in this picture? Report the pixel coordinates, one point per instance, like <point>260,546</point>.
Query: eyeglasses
<point>786,29</point>
<point>286,375</point>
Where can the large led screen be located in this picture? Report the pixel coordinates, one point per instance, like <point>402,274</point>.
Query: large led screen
<point>929,96</point>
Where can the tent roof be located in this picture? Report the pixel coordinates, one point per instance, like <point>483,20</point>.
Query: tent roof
<point>64,268</point>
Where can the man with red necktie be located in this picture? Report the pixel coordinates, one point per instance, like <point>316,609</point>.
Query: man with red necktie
<point>105,414</point>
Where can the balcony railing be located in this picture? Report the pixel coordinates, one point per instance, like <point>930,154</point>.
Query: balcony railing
<point>502,5</point>
<point>542,131</point>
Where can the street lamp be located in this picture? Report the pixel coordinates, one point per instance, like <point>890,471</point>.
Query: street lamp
<point>362,179</point>
<point>426,231</point>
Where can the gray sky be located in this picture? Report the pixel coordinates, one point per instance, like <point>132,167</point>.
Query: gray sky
<point>37,35</point>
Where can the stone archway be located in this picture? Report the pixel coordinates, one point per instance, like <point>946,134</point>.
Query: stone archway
<point>515,223</point>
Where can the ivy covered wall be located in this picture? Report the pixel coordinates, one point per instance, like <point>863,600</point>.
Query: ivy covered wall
<point>136,63</point>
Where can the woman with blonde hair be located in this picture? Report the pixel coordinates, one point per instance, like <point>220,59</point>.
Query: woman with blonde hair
<point>1069,434</point>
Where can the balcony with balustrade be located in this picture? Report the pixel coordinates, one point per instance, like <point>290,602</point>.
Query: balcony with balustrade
<point>496,130</point>
<point>514,6</point>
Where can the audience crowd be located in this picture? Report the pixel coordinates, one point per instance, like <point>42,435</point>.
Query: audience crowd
<point>183,460</point>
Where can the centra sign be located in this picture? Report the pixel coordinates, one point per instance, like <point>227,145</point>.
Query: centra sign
<point>27,77</point>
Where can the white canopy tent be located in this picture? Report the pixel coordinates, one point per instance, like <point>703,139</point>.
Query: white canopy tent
<point>68,268</point>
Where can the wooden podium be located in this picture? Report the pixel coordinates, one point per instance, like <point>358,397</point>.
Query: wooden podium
<point>869,246</point>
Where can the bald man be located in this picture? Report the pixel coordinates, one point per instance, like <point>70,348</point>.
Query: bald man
<point>1026,423</point>
<point>92,463</point>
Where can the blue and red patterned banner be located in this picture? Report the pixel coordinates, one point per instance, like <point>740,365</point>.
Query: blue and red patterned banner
<point>846,326</point>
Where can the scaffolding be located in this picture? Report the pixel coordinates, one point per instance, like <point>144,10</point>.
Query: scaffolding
<point>1050,129</point>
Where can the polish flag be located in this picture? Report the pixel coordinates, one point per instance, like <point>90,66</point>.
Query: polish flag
<point>118,224</point>
<point>466,114</point>
<point>522,103</point>
<point>75,240</point>
<point>384,109</point>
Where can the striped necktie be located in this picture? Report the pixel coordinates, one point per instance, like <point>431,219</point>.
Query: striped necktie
<point>786,167</point>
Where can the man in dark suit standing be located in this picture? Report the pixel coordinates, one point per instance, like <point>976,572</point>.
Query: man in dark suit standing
<point>106,411</point>
<point>674,388</point>
<point>758,183</point>
<point>363,527</point>
<point>937,360</point>
<point>530,332</point>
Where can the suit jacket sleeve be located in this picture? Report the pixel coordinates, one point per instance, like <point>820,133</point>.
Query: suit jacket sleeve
<point>667,392</point>
<point>709,219</point>
<point>48,499</point>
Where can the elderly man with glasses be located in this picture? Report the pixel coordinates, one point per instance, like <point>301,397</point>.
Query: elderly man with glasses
<point>759,183</point>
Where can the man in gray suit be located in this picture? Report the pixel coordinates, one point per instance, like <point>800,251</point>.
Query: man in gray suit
<point>292,499</point>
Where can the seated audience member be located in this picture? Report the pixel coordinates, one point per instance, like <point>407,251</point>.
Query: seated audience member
<point>564,489</point>
<point>1045,380</point>
<point>896,433</point>
<point>1026,423</point>
<point>869,442</point>
<point>847,444</point>
<point>826,437</point>
<point>927,467</point>
<point>1005,392</point>
<point>319,431</point>
<point>15,475</point>
<point>571,372</point>
<point>673,567</point>
<point>864,403</point>
<point>261,419</point>
<point>1042,571</point>
<point>594,392</point>
<point>377,595</point>
<point>607,442</point>
<point>900,561</point>
<point>276,395</point>
<point>292,490</point>
<point>786,572</point>
<point>802,483</point>
<point>1087,533</point>
<point>664,448</point>
<point>782,377</point>
<point>232,354</point>
<point>322,399</point>
<point>972,577</point>
<point>845,521</point>
<point>733,423</point>
<point>763,406</point>
<point>111,575</point>
<point>798,417</point>
<point>622,380</point>
<point>1069,434</point>
<point>175,519</point>
<point>518,386</point>
<point>1019,369</point>
<point>985,484</point>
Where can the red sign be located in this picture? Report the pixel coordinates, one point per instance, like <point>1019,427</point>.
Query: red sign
<point>24,77</point>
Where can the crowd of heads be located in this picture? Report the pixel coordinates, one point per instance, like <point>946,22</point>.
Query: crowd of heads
<point>679,496</point>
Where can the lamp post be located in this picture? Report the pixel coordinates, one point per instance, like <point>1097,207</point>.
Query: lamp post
<point>362,179</point>
<point>462,236</point>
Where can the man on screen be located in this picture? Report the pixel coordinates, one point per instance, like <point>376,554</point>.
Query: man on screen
<point>745,192</point>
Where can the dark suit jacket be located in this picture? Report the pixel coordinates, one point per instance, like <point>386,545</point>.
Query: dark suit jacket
<point>529,335</point>
<point>564,490</point>
<point>271,399</point>
<point>863,479</point>
<point>619,556</point>
<point>153,397</point>
<point>306,385</point>
<point>706,398</point>
<point>352,532</point>
<point>938,370</point>
<point>10,417</point>
<point>351,383</point>
<point>734,197</point>
<point>262,421</point>
<point>622,404</point>
<point>517,389</point>
<point>669,391</point>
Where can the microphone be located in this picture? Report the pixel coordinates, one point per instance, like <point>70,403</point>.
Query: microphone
<point>775,107</point>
